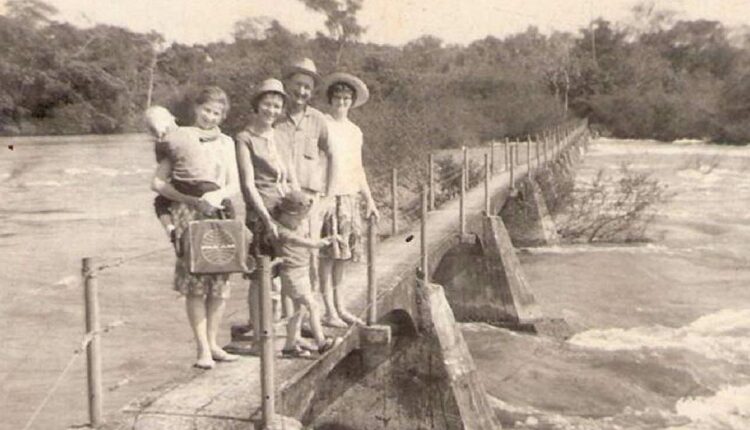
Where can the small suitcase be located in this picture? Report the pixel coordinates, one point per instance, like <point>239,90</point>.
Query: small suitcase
<point>216,246</point>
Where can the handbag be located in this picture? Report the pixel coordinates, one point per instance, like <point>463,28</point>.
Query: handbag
<point>215,246</point>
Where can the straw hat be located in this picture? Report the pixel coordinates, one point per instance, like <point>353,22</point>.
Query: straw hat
<point>269,86</point>
<point>362,93</point>
<point>304,65</point>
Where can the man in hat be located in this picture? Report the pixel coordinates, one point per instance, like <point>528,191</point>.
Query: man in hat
<point>302,136</point>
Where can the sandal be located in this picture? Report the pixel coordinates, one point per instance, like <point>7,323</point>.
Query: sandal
<point>329,344</point>
<point>297,352</point>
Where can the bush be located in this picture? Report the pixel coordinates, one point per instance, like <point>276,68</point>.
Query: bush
<point>612,209</point>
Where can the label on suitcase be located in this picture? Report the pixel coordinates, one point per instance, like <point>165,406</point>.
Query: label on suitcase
<point>216,246</point>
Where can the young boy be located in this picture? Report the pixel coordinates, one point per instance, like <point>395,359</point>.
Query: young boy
<point>187,180</point>
<point>293,246</point>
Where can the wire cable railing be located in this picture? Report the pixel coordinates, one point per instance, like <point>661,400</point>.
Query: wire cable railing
<point>444,180</point>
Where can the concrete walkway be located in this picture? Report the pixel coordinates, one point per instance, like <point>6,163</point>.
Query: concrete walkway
<point>228,396</point>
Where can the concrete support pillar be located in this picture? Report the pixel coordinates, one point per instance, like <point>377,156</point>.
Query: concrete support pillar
<point>527,218</point>
<point>375,342</point>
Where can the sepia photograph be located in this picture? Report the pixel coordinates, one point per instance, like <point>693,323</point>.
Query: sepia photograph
<point>375,214</point>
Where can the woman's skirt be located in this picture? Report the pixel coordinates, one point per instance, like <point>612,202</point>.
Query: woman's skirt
<point>342,217</point>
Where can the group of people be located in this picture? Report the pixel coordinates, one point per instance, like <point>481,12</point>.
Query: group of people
<point>302,180</point>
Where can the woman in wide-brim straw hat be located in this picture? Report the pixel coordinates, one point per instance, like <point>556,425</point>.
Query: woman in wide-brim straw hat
<point>265,176</point>
<point>347,182</point>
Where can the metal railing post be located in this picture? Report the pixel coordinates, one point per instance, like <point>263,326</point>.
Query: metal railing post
<point>528,152</point>
<point>466,164</point>
<point>268,395</point>
<point>486,184</point>
<point>372,288</point>
<point>394,201</point>
<point>431,166</point>
<point>423,239</point>
<point>512,183</point>
<point>462,202</point>
<point>93,348</point>
<point>506,150</point>
<point>492,158</point>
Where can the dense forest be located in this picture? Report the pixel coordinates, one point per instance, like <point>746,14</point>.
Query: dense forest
<point>657,77</point>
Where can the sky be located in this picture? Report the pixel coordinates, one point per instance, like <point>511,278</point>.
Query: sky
<point>388,21</point>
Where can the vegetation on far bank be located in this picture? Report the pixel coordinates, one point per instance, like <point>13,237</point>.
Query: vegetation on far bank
<point>655,78</point>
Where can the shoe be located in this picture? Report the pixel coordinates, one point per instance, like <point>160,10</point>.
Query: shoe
<point>297,352</point>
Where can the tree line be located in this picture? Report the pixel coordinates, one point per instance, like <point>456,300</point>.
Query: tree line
<point>657,77</point>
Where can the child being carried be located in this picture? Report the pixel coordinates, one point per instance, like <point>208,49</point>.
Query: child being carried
<point>194,166</point>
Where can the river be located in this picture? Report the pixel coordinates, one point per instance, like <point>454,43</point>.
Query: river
<point>662,329</point>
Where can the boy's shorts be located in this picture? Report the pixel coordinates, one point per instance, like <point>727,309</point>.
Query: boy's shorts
<point>295,282</point>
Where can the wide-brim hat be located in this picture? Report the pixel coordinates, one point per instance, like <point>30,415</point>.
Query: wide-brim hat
<point>305,66</point>
<point>295,203</point>
<point>269,86</point>
<point>361,92</point>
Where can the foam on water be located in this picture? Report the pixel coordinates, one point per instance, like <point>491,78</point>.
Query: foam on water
<point>724,335</point>
<point>729,408</point>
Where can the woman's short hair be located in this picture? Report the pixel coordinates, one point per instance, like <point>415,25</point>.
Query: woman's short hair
<point>340,87</point>
<point>256,101</point>
<point>211,94</point>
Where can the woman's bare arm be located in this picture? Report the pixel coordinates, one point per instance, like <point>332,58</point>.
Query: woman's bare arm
<point>247,184</point>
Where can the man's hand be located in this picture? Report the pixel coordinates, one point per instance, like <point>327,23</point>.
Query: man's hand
<point>330,240</point>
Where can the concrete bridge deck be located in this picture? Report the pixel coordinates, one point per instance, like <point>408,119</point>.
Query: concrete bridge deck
<point>229,397</point>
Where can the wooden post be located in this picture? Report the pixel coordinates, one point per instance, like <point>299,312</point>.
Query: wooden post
<point>267,388</point>
<point>394,201</point>
<point>431,168</point>
<point>93,348</point>
<point>486,184</point>
<point>462,203</point>
<point>372,288</point>
<point>536,151</point>
<point>423,239</point>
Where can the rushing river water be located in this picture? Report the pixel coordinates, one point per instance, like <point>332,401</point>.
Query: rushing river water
<point>663,329</point>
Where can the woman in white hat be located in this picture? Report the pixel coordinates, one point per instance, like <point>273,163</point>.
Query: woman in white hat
<point>346,183</point>
<point>265,176</point>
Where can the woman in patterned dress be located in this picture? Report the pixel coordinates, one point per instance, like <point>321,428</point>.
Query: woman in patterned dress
<point>213,151</point>
<point>347,182</point>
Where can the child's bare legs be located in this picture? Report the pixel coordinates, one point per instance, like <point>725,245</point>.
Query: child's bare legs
<point>166,222</point>
<point>292,327</point>
<point>196,312</point>
<point>338,277</point>
<point>315,325</point>
<point>214,311</point>
<point>331,317</point>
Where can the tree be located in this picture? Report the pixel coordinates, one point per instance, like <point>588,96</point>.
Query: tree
<point>341,21</point>
<point>33,13</point>
<point>252,28</point>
